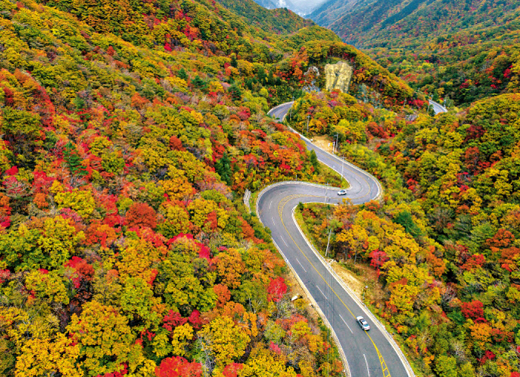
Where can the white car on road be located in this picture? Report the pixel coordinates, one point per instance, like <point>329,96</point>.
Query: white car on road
<point>342,192</point>
<point>363,323</point>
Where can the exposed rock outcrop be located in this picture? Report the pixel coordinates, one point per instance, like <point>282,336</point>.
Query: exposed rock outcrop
<point>338,76</point>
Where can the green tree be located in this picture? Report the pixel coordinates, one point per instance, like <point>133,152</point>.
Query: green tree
<point>314,161</point>
<point>405,219</point>
<point>182,74</point>
<point>446,366</point>
<point>74,161</point>
<point>199,83</point>
<point>223,168</point>
<point>235,92</point>
<point>234,62</point>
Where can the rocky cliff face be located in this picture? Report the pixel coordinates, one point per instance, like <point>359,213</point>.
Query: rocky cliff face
<point>338,76</point>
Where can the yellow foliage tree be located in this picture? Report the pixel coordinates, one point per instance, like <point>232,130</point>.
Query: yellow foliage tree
<point>80,201</point>
<point>105,339</point>
<point>265,363</point>
<point>45,357</point>
<point>181,338</point>
<point>224,340</point>
<point>49,286</point>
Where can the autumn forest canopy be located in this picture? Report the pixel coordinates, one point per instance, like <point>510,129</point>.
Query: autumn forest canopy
<point>131,130</point>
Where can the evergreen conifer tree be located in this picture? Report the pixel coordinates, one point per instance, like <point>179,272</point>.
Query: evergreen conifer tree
<point>223,168</point>
<point>182,74</point>
<point>315,162</point>
<point>74,160</point>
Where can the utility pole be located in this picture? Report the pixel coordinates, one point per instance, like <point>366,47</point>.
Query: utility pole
<point>364,290</point>
<point>341,169</point>
<point>328,243</point>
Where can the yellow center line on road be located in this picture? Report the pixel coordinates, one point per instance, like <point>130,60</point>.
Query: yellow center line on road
<point>281,207</point>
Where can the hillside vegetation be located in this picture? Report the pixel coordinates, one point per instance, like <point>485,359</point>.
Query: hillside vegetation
<point>130,132</point>
<point>280,20</point>
<point>457,50</point>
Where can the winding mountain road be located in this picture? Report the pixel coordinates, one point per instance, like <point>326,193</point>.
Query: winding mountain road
<point>368,354</point>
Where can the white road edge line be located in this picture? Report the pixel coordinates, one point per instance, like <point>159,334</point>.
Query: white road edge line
<point>366,362</point>
<point>345,322</point>
<point>322,292</point>
<point>301,265</point>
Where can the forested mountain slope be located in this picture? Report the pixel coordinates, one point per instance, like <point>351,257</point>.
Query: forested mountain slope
<point>277,20</point>
<point>370,23</point>
<point>461,50</point>
<point>130,132</point>
<point>332,10</point>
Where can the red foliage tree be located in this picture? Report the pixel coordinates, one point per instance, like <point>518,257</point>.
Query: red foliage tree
<point>247,230</point>
<point>473,262</point>
<point>507,259</point>
<point>176,144</point>
<point>195,320</point>
<point>82,271</point>
<point>8,97</point>
<point>4,276</point>
<point>379,258</point>
<point>232,370</point>
<point>276,289</point>
<point>376,130</point>
<point>471,159</point>
<point>141,215</point>
<point>503,238</point>
<point>473,309</point>
<point>172,320</point>
<point>212,221</point>
<point>474,132</point>
<point>178,367</point>
<point>223,294</point>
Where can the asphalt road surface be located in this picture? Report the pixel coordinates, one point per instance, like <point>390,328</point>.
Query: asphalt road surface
<point>437,107</point>
<point>369,354</point>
